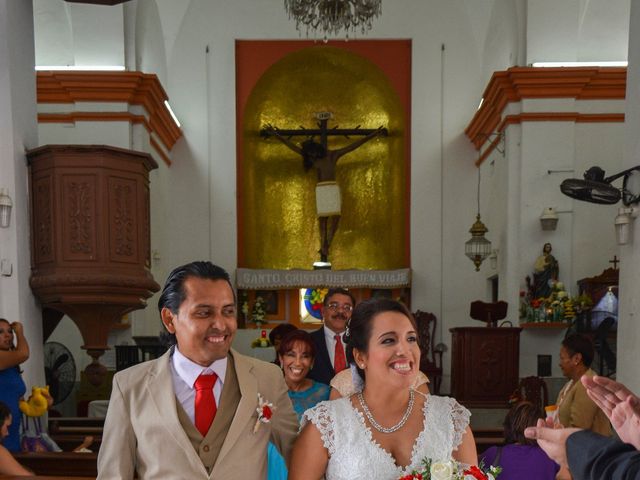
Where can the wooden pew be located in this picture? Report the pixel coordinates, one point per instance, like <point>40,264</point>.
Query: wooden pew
<point>40,477</point>
<point>69,441</point>
<point>488,437</point>
<point>70,432</point>
<point>60,464</point>
<point>77,425</point>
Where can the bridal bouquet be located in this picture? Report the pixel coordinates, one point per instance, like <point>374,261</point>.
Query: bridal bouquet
<point>452,470</point>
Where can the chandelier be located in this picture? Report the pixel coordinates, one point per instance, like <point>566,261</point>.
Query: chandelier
<point>330,17</point>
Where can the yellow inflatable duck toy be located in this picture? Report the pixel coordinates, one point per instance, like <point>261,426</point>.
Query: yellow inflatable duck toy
<point>37,403</point>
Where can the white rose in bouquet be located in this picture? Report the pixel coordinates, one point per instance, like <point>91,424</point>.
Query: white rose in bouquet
<point>442,470</point>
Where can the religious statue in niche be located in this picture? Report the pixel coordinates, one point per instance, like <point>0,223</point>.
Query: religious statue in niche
<point>545,273</point>
<point>317,154</point>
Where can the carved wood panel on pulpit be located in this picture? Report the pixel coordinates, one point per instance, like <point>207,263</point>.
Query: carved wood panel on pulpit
<point>90,236</point>
<point>485,364</point>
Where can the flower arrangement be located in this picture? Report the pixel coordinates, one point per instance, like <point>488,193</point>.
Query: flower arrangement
<point>557,307</point>
<point>265,412</point>
<point>258,312</point>
<point>262,341</point>
<point>452,470</point>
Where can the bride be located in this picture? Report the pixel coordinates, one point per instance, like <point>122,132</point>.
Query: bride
<point>387,429</point>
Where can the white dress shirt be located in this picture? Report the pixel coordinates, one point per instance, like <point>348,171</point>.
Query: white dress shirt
<point>330,340</point>
<point>184,373</point>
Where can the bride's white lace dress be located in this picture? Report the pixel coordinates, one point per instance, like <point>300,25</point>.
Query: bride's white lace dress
<point>355,455</point>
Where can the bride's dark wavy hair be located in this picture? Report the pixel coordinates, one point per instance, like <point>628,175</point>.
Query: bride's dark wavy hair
<point>360,326</point>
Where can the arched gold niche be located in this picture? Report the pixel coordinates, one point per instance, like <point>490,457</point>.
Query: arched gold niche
<point>280,228</point>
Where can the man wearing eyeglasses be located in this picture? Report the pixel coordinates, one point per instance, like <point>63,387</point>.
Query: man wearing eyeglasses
<point>330,357</point>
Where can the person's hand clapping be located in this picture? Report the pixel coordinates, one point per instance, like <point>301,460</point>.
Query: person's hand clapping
<point>625,418</point>
<point>605,392</point>
<point>619,404</point>
<point>552,440</point>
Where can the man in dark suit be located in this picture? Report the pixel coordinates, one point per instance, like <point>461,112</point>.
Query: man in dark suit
<point>590,456</point>
<point>330,354</point>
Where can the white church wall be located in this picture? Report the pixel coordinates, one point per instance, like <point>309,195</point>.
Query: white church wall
<point>115,134</point>
<point>574,30</point>
<point>594,233</point>
<point>77,34</point>
<point>504,45</point>
<point>18,132</point>
<point>53,35</point>
<point>149,43</point>
<point>560,27</point>
<point>545,146</point>
<point>629,301</point>
<point>597,39</point>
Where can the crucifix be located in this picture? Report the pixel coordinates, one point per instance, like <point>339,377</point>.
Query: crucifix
<point>615,262</point>
<point>316,154</point>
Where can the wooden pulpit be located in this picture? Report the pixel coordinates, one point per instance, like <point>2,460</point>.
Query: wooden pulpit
<point>485,365</point>
<point>90,239</point>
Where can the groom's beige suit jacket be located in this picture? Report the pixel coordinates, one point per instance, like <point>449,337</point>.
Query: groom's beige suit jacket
<point>146,430</point>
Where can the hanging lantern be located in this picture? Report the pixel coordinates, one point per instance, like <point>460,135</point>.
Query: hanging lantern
<point>477,248</point>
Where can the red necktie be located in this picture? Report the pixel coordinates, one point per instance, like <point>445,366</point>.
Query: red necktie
<point>339,360</point>
<point>205,402</point>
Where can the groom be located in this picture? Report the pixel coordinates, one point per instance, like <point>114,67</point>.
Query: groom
<point>192,413</point>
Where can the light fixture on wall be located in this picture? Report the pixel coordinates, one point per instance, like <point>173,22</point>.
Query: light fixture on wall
<point>624,223</point>
<point>477,248</point>
<point>330,17</point>
<point>5,208</point>
<point>549,219</point>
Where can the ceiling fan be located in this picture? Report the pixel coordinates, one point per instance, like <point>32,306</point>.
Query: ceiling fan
<point>595,188</point>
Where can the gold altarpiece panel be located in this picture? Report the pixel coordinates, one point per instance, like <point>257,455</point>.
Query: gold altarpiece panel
<point>278,217</point>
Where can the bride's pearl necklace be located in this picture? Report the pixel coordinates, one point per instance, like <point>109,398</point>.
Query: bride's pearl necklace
<point>376,425</point>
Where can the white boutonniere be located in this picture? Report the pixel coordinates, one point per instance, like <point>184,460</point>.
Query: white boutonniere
<point>265,412</point>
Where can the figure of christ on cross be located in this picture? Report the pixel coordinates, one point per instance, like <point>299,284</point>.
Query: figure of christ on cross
<point>316,154</point>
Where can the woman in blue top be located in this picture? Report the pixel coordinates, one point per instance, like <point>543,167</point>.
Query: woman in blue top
<point>296,353</point>
<point>12,388</point>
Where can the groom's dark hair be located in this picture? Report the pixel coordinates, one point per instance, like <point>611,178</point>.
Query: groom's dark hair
<point>173,293</point>
<point>359,327</point>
